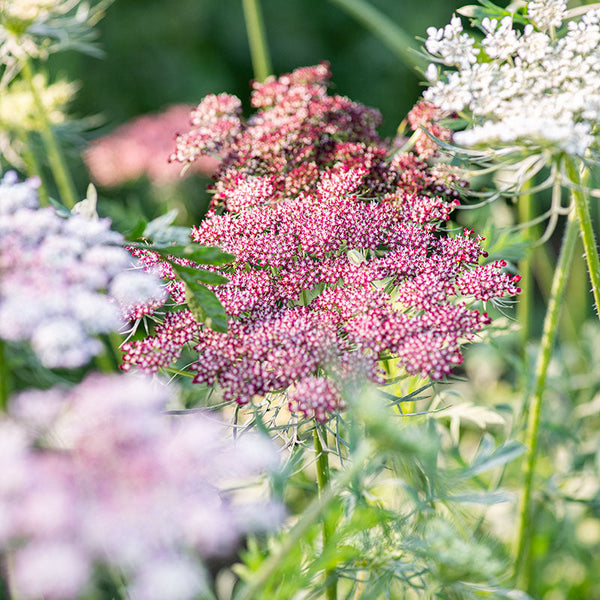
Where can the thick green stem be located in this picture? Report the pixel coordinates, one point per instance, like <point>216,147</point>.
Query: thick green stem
<point>259,51</point>
<point>322,481</point>
<point>543,268</point>
<point>525,209</point>
<point>581,201</point>
<point>314,511</point>
<point>61,174</point>
<point>561,273</point>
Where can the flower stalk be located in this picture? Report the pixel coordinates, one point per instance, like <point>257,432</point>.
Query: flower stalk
<point>581,202</point>
<point>551,321</point>
<point>61,174</point>
<point>259,51</point>
<point>525,210</point>
<point>316,508</point>
<point>32,165</point>
<point>395,38</point>
<point>323,477</point>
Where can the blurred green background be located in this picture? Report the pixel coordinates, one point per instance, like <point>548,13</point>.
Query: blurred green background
<point>160,53</point>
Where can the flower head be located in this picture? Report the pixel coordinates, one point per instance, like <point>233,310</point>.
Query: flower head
<point>547,13</point>
<point>55,276</point>
<point>534,87</point>
<point>98,475</point>
<point>140,147</point>
<point>35,28</point>
<point>338,258</point>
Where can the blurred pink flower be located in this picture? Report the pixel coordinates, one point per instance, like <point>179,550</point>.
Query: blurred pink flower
<point>142,147</point>
<point>110,479</point>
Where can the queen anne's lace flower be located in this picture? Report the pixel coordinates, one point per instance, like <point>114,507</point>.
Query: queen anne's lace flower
<point>99,476</point>
<point>541,88</point>
<point>453,45</point>
<point>63,280</point>
<point>338,258</point>
<point>547,13</point>
<point>34,28</point>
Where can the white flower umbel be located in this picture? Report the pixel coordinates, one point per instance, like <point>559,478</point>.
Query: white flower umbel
<point>452,45</point>
<point>531,99</point>
<point>36,28</point>
<point>535,86</point>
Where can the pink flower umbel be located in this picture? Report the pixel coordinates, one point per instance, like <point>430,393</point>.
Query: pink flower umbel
<point>140,147</point>
<point>427,116</point>
<point>99,476</point>
<point>339,258</point>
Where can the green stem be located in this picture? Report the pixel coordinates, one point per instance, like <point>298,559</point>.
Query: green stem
<point>314,511</point>
<point>395,38</point>
<point>581,201</point>
<point>32,164</point>
<point>323,476</point>
<point>8,562</point>
<point>525,210</point>
<point>110,359</point>
<point>543,268</point>
<point>561,273</point>
<point>4,375</point>
<point>61,174</point>
<point>261,61</point>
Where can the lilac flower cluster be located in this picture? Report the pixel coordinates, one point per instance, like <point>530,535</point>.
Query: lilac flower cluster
<point>339,260</point>
<point>91,477</point>
<point>63,280</point>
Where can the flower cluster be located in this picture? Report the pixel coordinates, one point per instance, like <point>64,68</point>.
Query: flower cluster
<point>427,116</point>
<point>99,476</point>
<point>339,261</point>
<point>536,85</point>
<point>63,280</point>
<point>35,28</point>
<point>139,148</point>
<point>18,112</point>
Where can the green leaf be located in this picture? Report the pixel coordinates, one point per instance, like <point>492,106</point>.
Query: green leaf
<point>486,460</point>
<point>204,255</point>
<point>485,498</point>
<point>163,233</point>
<point>138,230</point>
<point>192,275</point>
<point>490,10</point>
<point>61,209</point>
<point>205,306</point>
